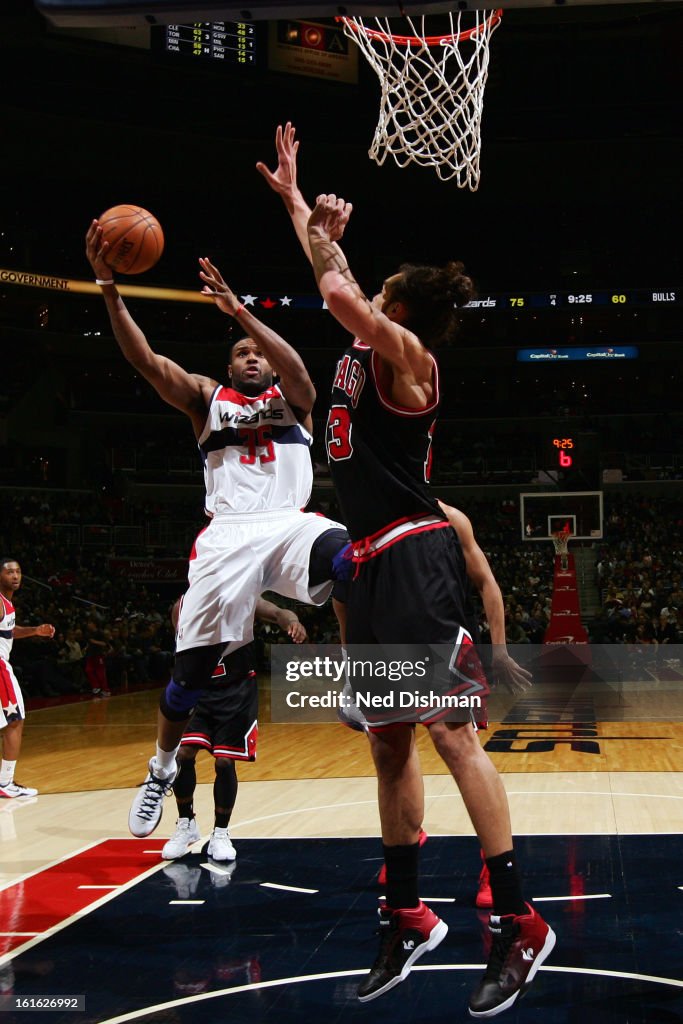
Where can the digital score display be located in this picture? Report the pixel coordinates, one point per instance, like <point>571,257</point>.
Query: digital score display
<point>579,301</point>
<point>233,42</point>
<point>564,448</point>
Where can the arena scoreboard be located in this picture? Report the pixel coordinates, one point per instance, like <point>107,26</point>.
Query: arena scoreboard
<point>580,300</point>
<point>233,42</point>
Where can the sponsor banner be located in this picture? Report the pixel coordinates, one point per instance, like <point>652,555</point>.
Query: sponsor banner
<point>53,283</point>
<point>306,48</point>
<point>161,570</point>
<point>604,353</point>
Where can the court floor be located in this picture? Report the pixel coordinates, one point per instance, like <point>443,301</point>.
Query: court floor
<point>285,934</point>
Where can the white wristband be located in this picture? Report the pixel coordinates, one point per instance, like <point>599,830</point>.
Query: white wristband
<point>98,281</point>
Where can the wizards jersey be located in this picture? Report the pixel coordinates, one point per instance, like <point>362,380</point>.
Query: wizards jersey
<point>256,454</point>
<point>379,452</point>
<point>7,621</point>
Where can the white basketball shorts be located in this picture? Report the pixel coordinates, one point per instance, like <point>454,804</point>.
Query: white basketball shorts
<point>234,560</point>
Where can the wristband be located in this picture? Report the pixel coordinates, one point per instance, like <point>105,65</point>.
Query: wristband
<point>240,309</point>
<point>101,282</point>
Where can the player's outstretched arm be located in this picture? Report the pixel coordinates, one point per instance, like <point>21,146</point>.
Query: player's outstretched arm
<point>23,632</point>
<point>283,180</point>
<point>348,304</point>
<point>512,675</point>
<point>295,381</point>
<point>185,391</point>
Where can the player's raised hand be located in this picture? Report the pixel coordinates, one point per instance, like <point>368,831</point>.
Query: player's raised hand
<point>216,288</point>
<point>96,250</point>
<point>330,216</point>
<point>283,178</point>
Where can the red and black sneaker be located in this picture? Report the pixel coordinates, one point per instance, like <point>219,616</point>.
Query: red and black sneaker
<point>520,945</point>
<point>484,897</point>
<point>404,936</point>
<point>382,876</point>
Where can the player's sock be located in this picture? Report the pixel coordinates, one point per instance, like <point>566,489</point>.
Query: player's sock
<point>7,772</point>
<point>505,884</point>
<point>401,862</point>
<point>165,760</point>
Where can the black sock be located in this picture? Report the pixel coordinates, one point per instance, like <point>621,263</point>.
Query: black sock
<point>401,862</point>
<point>506,885</point>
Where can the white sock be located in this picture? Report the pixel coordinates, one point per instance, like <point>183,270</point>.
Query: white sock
<point>165,760</point>
<point>7,772</point>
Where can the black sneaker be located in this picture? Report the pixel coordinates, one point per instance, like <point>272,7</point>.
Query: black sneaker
<point>404,936</point>
<point>520,945</point>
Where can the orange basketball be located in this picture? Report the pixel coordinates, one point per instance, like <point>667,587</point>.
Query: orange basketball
<point>135,238</point>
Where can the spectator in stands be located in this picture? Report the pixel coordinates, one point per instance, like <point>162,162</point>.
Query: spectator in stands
<point>95,664</point>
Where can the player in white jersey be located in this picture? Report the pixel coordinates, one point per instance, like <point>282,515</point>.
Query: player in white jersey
<point>254,436</point>
<point>12,711</point>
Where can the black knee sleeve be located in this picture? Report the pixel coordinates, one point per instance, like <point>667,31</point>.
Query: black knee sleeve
<point>177,704</point>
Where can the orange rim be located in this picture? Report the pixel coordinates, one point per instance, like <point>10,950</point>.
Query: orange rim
<point>373,33</point>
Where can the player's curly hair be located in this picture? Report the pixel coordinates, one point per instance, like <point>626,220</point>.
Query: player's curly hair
<point>431,295</point>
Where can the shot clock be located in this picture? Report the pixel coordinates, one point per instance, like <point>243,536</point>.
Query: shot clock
<point>577,457</point>
<point>564,450</point>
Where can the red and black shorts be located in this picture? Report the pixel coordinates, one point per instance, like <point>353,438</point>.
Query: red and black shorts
<point>225,721</point>
<point>414,592</point>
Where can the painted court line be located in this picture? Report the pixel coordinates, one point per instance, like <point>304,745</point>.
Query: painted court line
<point>144,1011</point>
<point>186,903</point>
<point>39,937</point>
<point>51,864</point>
<point>98,886</point>
<point>432,899</point>
<point>287,888</point>
<point>558,899</point>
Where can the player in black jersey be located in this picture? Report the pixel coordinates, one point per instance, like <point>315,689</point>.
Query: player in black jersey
<point>409,584</point>
<point>225,723</point>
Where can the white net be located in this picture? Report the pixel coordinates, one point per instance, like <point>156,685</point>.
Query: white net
<point>432,91</point>
<point>561,543</point>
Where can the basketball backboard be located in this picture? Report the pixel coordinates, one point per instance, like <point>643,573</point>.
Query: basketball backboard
<point>545,513</point>
<point>84,13</point>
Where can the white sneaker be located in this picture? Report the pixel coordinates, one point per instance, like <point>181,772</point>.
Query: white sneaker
<point>145,811</point>
<point>220,847</point>
<point>11,790</point>
<point>185,835</point>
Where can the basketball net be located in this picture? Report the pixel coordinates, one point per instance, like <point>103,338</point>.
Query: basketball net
<point>561,542</point>
<point>432,91</point>
<point>561,545</point>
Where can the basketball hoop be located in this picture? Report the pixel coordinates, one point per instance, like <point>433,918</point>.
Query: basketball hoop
<point>561,545</point>
<point>432,91</point>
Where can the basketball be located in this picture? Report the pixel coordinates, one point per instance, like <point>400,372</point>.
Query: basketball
<point>135,238</point>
